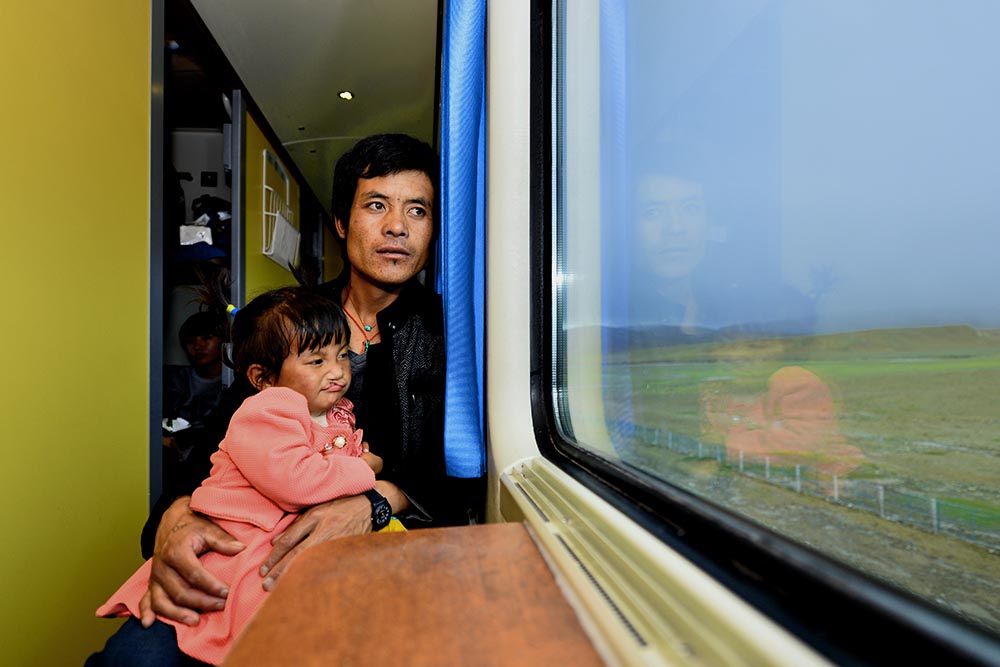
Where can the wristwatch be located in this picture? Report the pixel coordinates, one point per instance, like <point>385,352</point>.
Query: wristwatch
<point>381,510</point>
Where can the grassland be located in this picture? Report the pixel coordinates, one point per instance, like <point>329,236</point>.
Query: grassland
<point>922,406</point>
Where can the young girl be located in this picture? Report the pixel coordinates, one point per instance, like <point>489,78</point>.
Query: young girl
<point>291,446</point>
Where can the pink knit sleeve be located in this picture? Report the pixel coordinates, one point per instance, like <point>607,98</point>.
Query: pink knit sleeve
<point>269,440</point>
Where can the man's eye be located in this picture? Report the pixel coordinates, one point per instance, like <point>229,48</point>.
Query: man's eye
<point>652,212</point>
<point>315,362</point>
<point>418,211</point>
<point>376,206</point>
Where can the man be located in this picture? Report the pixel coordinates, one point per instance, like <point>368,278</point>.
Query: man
<point>384,208</point>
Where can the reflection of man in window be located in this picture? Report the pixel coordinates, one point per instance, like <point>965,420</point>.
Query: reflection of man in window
<point>685,274</point>
<point>686,294</point>
<point>672,231</point>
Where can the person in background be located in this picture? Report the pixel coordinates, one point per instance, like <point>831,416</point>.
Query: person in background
<point>191,393</point>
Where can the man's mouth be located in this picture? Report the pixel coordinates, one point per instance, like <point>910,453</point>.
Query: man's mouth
<point>393,252</point>
<point>675,250</point>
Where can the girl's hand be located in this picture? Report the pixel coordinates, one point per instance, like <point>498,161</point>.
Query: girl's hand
<point>374,461</point>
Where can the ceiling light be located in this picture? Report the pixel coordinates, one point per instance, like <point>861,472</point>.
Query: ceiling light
<point>346,95</point>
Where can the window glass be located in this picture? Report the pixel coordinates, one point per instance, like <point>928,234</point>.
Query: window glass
<point>777,270</point>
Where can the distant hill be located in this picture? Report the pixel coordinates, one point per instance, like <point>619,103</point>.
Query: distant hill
<point>647,344</point>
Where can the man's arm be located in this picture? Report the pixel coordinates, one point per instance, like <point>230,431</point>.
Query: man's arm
<point>196,467</point>
<point>337,518</point>
<point>179,587</point>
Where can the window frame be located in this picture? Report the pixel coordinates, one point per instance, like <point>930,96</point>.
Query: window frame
<point>844,614</point>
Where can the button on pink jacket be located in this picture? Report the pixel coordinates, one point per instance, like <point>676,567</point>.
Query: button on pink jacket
<point>274,461</point>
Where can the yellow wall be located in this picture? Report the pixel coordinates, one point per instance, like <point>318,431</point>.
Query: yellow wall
<point>74,127</point>
<point>262,273</point>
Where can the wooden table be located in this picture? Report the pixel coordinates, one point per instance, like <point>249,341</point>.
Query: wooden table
<point>474,595</point>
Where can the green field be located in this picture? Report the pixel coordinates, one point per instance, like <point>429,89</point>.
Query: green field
<point>926,416</point>
<point>913,411</point>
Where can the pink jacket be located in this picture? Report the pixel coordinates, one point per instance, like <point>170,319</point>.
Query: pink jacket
<point>274,461</point>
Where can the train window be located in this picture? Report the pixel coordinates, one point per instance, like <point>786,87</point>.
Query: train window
<point>775,271</point>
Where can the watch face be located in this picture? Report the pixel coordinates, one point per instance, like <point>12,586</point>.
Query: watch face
<point>381,510</point>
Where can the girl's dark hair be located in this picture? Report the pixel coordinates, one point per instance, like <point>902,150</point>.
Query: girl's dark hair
<point>281,322</point>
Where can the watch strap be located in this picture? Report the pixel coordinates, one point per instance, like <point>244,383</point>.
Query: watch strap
<point>381,510</point>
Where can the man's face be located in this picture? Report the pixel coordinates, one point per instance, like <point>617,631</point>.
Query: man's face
<point>391,227</point>
<point>671,229</point>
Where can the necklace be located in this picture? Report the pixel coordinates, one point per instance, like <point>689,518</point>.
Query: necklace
<point>365,328</point>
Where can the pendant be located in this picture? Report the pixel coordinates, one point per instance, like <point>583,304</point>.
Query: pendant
<point>368,327</point>
<point>366,347</point>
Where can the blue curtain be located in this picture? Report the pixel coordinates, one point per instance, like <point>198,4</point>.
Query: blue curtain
<point>461,259</point>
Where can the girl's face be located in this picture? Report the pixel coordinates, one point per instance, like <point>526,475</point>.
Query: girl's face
<point>321,375</point>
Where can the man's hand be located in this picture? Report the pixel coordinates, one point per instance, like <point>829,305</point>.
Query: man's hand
<point>337,518</point>
<point>179,587</point>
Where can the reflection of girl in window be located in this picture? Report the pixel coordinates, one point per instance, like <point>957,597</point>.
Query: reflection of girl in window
<point>793,423</point>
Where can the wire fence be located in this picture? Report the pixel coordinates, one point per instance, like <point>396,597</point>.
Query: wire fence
<point>971,524</point>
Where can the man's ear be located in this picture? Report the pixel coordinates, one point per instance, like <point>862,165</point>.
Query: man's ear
<point>341,228</point>
<point>258,377</point>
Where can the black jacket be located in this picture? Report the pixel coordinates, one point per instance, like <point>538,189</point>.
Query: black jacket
<point>402,399</point>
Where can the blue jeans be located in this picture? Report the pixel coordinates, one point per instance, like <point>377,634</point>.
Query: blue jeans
<point>135,646</point>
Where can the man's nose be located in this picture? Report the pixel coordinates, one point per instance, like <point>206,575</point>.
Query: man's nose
<point>395,222</point>
<point>676,223</point>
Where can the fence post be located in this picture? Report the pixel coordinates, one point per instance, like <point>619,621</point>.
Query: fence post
<point>881,501</point>
<point>836,491</point>
<point>798,479</point>
<point>741,460</point>
<point>935,518</point>
<point>670,439</point>
<point>656,437</point>
<point>767,467</point>
<point>699,449</point>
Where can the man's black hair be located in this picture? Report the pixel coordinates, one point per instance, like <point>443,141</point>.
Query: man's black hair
<point>381,155</point>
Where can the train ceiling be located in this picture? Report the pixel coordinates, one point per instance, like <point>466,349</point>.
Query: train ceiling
<point>297,57</point>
